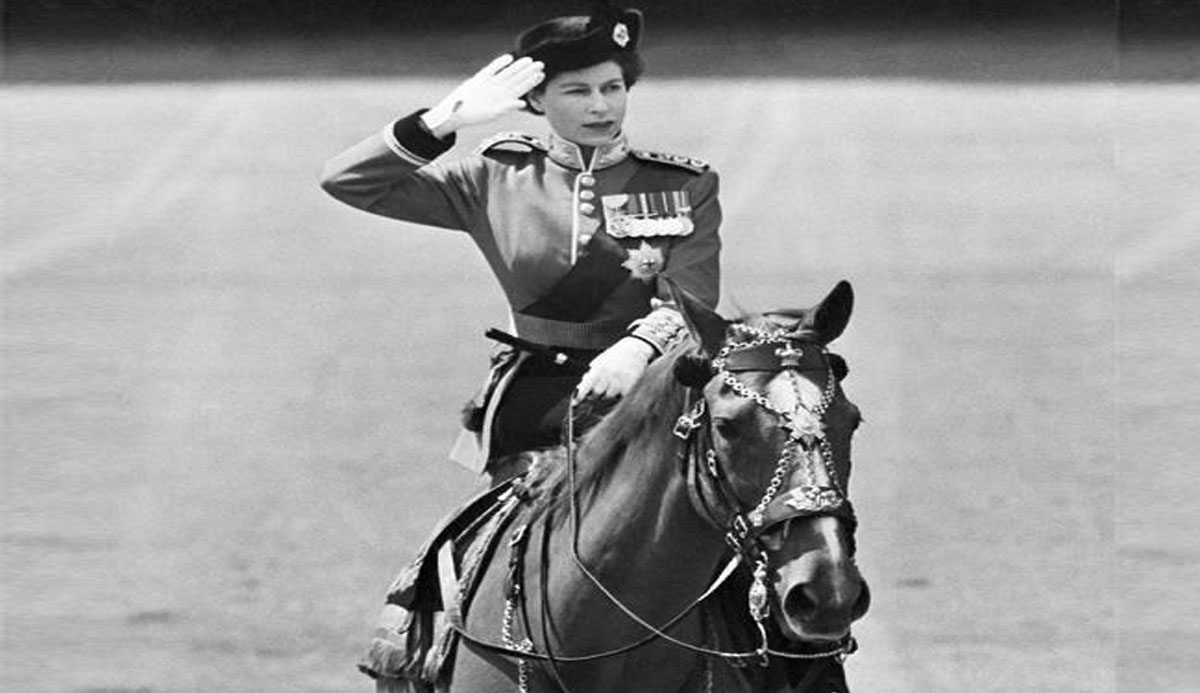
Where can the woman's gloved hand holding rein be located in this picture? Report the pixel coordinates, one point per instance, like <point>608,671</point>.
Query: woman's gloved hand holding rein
<point>615,370</point>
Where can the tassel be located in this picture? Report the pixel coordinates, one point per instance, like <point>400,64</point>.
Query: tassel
<point>693,370</point>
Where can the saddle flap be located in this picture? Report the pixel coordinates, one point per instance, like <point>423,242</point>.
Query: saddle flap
<point>413,641</point>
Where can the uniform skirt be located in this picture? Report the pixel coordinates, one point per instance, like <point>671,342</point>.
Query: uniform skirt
<point>533,408</point>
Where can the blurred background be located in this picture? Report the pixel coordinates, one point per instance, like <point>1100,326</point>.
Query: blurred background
<point>227,399</point>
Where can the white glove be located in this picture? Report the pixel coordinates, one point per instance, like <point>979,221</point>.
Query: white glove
<point>494,91</point>
<point>615,370</point>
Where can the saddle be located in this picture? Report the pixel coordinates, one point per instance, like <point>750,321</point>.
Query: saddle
<point>413,645</point>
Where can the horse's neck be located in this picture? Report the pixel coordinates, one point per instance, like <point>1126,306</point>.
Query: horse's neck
<point>646,557</point>
<point>640,531</point>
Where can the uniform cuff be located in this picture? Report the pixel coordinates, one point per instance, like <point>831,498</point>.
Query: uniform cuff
<point>662,329</point>
<point>410,140</point>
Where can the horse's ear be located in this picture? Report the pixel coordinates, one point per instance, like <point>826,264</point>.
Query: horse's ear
<point>705,324</point>
<point>829,317</point>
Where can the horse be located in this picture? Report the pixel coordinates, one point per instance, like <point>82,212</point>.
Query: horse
<point>699,537</point>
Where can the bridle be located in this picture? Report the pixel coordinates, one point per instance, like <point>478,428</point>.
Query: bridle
<point>709,487</point>
<point>711,491</point>
<point>714,498</point>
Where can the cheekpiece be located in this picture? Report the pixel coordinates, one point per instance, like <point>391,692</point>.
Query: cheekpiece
<point>572,43</point>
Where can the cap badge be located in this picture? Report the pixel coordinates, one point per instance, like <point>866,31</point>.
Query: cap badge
<point>620,34</point>
<point>644,262</point>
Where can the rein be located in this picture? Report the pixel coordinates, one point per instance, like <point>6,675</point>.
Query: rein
<point>742,529</point>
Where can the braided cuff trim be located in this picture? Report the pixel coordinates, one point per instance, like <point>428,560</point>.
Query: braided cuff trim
<point>662,329</point>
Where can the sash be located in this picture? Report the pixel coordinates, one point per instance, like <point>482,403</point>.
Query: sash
<point>596,274</point>
<point>582,290</point>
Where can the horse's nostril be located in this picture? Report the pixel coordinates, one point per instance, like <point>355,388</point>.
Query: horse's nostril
<point>799,602</point>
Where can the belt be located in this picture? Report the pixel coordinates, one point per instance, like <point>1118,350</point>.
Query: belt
<point>570,335</point>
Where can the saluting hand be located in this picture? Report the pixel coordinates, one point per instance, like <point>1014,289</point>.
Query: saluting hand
<point>615,370</point>
<point>492,92</point>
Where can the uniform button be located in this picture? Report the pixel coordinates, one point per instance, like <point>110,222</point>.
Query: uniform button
<point>584,240</point>
<point>586,194</point>
<point>586,180</point>
<point>587,207</point>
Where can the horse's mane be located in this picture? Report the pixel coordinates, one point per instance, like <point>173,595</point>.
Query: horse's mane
<point>645,416</point>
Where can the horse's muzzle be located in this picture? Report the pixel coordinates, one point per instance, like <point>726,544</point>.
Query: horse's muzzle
<point>818,600</point>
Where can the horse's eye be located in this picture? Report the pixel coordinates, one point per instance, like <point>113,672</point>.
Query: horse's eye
<point>726,429</point>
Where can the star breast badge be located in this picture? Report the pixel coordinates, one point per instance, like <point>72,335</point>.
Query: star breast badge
<point>644,262</point>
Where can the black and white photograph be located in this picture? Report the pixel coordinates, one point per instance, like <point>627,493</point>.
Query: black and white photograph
<point>600,346</point>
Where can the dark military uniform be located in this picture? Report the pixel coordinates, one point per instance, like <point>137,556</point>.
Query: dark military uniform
<point>577,245</point>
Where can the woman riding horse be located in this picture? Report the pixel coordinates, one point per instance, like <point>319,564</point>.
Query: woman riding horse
<point>577,228</point>
<point>602,571</point>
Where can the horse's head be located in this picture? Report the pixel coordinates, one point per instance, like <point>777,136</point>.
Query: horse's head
<point>771,457</point>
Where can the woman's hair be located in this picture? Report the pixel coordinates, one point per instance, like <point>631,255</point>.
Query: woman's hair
<point>630,63</point>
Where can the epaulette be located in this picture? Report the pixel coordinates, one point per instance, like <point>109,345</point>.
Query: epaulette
<point>691,164</point>
<point>511,142</point>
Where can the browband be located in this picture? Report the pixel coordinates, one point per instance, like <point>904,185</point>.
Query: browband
<point>801,356</point>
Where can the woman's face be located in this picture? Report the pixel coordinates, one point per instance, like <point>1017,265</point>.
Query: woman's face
<point>584,106</point>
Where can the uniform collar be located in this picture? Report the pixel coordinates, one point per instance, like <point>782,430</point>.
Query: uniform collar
<point>569,154</point>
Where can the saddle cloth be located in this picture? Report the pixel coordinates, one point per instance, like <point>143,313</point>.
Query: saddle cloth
<point>413,645</point>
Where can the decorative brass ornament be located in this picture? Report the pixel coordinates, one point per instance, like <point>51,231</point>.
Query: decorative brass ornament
<point>789,355</point>
<point>620,34</point>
